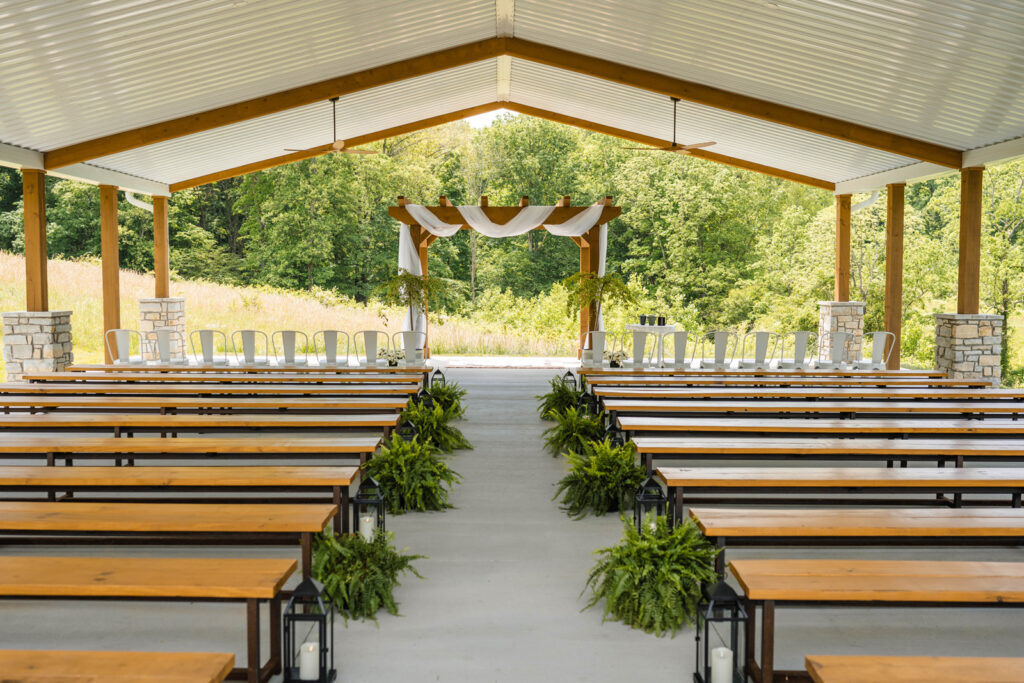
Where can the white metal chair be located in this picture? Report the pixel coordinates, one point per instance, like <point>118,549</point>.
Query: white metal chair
<point>120,349</point>
<point>800,360</point>
<point>289,339</point>
<point>371,344</point>
<point>680,342</point>
<point>640,354</point>
<point>836,344</point>
<point>207,347</point>
<point>413,342</point>
<point>765,346</point>
<point>246,339</point>
<point>879,354</point>
<point>167,346</point>
<point>328,341</point>
<point>720,343</point>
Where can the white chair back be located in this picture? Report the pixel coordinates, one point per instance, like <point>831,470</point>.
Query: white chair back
<point>836,344</point>
<point>595,342</point>
<point>802,340</point>
<point>167,346</point>
<point>246,339</point>
<point>879,353</point>
<point>119,345</point>
<point>288,340</point>
<point>207,346</point>
<point>763,343</point>
<point>679,341</point>
<point>328,341</point>
<point>720,343</point>
<point>639,347</point>
<point>371,344</point>
<point>413,342</point>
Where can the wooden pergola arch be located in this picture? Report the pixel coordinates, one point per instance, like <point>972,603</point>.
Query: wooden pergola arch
<point>589,242</point>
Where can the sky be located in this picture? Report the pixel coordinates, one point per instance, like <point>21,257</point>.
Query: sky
<point>485,119</point>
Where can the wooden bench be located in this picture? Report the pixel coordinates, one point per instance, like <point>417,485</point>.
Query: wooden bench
<point>422,370</point>
<point>879,583</point>
<point>249,523</point>
<point>862,668</point>
<point>282,448</point>
<point>748,372</point>
<point>309,480</point>
<point>190,404</point>
<point>941,451</point>
<point>119,424</point>
<point>847,409</point>
<point>250,378</point>
<point>719,380</point>
<point>859,526</point>
<point>201,390</point>
<point>808,393</point>
<point>251,581</point>
<point>726,482</point>
<point>86,666</point>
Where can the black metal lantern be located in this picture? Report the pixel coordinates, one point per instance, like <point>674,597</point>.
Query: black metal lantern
<point>650,501</point>
<point>368,509</point>
<point>722,657</point>
<point>407,431</point>
<point>425,399</point>
<point>587,403</point>
<point>569,380</point>
<point>308,626</point>
<point>437,379</point>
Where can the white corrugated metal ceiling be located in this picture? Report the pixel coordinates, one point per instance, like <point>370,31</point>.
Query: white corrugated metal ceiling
<point>943,71</point>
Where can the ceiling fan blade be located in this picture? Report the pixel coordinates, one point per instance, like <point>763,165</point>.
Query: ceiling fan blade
<point>287,149</point>
<point>359,151</point>
<point>650,149</point>
<point>698,145</point>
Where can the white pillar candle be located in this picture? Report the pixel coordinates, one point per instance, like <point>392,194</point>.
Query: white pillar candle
<point>368,526</point>
<point>721,665</point>
<point>309,661</point>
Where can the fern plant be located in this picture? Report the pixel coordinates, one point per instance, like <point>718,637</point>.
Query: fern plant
<point>412,476</point>
<point>434,426</point>
<point>449,397</point>
<point>559,398</point>
<point>360,576</point>
<point>602,478</point>
<point>572,429</point>
<point>652,580</point>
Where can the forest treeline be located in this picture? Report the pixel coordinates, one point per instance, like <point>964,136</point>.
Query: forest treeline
<point>709,245</point>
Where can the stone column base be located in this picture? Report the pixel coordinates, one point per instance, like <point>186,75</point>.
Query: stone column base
<point>35,342</point>
<point>155,314</point>
<point>840,316</point>
<point>968,346</point>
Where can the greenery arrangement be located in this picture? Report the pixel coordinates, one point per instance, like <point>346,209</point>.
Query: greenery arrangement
<point>558,399</point>
<point>416,292</point>
<point>602,478</point>
<point>412,476</point>
<point>572,430</point>
<point>591,289</point>
<point>434,425</point>
<point>360,576</point>
<point>652,580</point>
<point>449,396</point>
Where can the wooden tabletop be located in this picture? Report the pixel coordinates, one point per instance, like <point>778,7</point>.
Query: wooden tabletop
<point>819,372</point>
<point>87,666</point>
<point>868,668</point>
<point>880,580</point>
<point>719,380</point>
<point>865,477</point>
<point>161,389</point>
<point>222,476</point>
<point>165,517</point>
<point>237,403</point>
<point>15,444</point>
<point>757,445</point>
<point>623,405</point>
<point>795,425</point>
<point>170,423</point>
<point>141,577</point>
<point>283,378</point>
<point>836,393</point>
<point>295,369</point>
<point>858,522</point>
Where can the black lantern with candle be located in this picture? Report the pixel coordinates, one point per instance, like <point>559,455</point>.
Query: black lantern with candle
<point>425,399</point>
<point>368,509</point>
<point>569,380</point>
<point>650,501</point>
<point>308,658</point>
<point>725,622</point>
<point>587,404</point>
<point>437,379</point>
<point>407,431</point>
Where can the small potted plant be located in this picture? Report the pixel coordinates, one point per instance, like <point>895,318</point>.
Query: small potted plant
<point>392,356</point>
<point>615,358</point>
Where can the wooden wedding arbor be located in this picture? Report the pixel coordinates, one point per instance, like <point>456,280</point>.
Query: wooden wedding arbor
<point>589,242</point>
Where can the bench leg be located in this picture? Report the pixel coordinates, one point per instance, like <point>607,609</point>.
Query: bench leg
<point>720,557</point>
<point>252,620</point>
<point>768,641</point>
<point>343,512</point>
<point>752,670</point>
<point>307,555</point>
<point>275,635</point>
<point>339,523</point>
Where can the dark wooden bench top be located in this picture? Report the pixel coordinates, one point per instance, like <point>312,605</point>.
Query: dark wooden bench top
<point>829,407</point>
<point>822,425</point>
<point>165,518</point>
<point>235,403</point>
<point>867,668</point>
<point>20,444</point>
<point>820,372</point>
<point>86,666</point>
<point>222,476</point>
<point>252,378</point>
<point>910,581</point>
<point>178,422</point>
<point>143,577</point>
<point>837,477</point>
<point>229,389</point>
<point>837,393</point>
<point>824,446</point>
<point>786,381</point>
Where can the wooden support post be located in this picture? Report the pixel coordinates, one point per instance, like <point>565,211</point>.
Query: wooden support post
<point>424,249</point>
<point>969,280</point>
<point>33,183</point>
<point>110,263</point>
<point>894,271</point>
<point>161,248</point>
<point>842,285</point>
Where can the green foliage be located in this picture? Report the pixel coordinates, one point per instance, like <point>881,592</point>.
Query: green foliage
<point>449,396</point>
<point>602,478</point>
<point>651,581</point>
<point>360,576</point>
<point>417,292</point>
<point>572,430</point>
<point>586,289</point>
<point>558,399</point>
<point>434,425</point>
<point>412,476</point>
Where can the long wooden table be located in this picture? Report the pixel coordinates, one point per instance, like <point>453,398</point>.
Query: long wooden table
<point>731,527</point>
<point>88,666</point>
<point>748,372</point>
<point>250,581</point>
<point>180,404</point>
<point>866,668</point>
<point>200,389</point>
<point>309,480</point>
<point>133,423</point>
<point>809,393</point>
<point>881,583</point>
<point>252,523</point>
<point>822,426</point>
<point>718,380</point>
<point>728,481</point>
<point>69,448</point>
<point>849,409</point>
<point>250,378</point>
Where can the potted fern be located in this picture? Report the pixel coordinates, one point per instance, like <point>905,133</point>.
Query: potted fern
<point>560,397</point>
<point>586,290</point>
<point>573,428</point>
<point>602,478</point>
<point>414,293</point>
<point>412,476</point>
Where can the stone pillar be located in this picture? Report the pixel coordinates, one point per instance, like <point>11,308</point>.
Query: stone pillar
<point>36,342</point>
<point>840,316</point>
<point>968,345</point>
<point>155,314</point>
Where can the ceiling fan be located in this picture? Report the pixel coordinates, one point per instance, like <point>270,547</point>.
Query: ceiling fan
<point>338,145</point>
<point>674,147</point>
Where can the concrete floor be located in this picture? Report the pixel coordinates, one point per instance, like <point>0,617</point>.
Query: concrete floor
<point>501,596</point>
